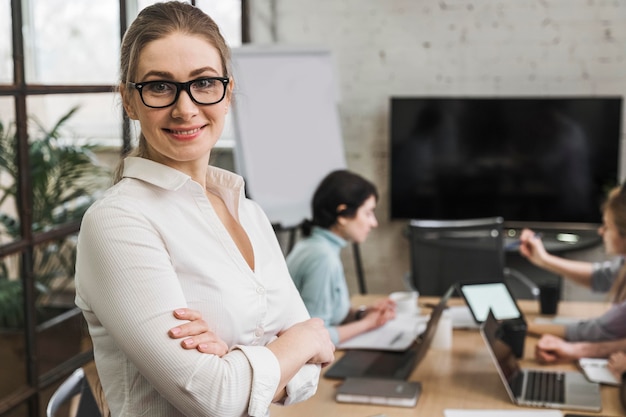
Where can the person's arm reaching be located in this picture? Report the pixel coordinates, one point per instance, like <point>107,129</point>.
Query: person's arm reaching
<point>539,329</point>
<point>531,247</point>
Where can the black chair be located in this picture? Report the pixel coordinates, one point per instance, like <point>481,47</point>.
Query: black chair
<point>444,252</point>
<point>76,384</point>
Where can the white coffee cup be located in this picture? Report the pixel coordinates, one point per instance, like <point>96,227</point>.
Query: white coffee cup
<point>406,301</point>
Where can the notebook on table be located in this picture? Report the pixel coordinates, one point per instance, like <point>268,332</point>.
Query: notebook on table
<point>389,364</point>
<point>538,387</point>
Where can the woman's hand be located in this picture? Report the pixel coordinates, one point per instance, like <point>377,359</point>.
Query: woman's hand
<point>380,313</point>
<point>551,349</point>
<point>196,333</point>
<point>617,364</point>
<point>531,247</point>
<point>312,334</point>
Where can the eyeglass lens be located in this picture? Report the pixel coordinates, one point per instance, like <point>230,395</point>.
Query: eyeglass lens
<point>165,93</point>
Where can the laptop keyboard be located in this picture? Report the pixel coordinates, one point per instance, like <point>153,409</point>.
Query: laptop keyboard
<point>545,387</point>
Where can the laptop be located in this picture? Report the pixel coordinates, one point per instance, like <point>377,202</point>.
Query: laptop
<point>389,364</point>
<point>538,387</point>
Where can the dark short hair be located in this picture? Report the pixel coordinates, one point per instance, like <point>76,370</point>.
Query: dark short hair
<point>337,188</point>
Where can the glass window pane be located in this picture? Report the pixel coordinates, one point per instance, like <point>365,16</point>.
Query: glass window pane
<point>12,343</point>
<point>59,341</point>
<point>98,119</point>
<point>227,15</point>
<point>61,332</point>
<point>67,171</point>
<point>71,42</point>
<point>9,218</point>
<point>6,51</point>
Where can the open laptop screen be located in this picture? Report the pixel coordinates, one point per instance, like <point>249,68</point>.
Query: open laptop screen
<point>494,296</point>
<point>503,354</point>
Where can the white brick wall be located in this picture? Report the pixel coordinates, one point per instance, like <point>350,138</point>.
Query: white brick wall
<point>452,47</point>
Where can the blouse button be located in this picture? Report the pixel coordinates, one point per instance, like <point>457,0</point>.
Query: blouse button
<point>260,290</point>
<point>259,332</point>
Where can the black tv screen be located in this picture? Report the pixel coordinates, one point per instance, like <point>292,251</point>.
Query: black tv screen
<point>529,160</point>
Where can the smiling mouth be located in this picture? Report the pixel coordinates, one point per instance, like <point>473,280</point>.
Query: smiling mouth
<point>184,132</point>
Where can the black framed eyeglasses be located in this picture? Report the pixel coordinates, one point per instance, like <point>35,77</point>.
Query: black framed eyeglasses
<point>159,94</point>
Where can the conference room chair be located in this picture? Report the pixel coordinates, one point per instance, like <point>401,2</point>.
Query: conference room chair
<point>75,386</point>
<point>444,252</point>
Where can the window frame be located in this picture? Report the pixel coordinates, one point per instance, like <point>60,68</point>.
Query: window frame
<point>33,396</point>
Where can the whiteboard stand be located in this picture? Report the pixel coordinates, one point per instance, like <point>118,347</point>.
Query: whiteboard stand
<point>287,129</point>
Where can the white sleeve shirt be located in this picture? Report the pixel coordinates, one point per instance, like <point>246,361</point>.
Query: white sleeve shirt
<point>152,244</point>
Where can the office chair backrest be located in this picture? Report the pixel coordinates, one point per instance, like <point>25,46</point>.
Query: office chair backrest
<point>444,252</point>
<point>74,385</point>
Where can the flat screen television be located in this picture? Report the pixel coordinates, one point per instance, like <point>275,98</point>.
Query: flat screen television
<point>532,160</point>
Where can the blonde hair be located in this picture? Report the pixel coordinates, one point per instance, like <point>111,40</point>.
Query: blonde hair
<point>153,23</point>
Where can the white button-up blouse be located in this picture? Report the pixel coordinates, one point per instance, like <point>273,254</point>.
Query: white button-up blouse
<point>152,244</point>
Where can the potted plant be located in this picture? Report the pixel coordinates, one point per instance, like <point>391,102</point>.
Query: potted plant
<point>65,179</point>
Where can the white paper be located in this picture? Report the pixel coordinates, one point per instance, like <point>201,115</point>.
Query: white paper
<point>502,413</point>
<point>557,320</point>
<point>462,318</point>
<point>596,370</point>
<point>396,334</point>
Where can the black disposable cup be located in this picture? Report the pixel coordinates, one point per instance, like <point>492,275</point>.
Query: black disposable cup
<point>549,295</point>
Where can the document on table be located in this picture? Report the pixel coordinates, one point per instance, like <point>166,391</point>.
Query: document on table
<point>396,335</point>
<point>596,370</point>
<point>462,318</point>
<point>502,413</point>
<point>557,320</point>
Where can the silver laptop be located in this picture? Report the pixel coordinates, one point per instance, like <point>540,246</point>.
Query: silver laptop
<point>538,387</point>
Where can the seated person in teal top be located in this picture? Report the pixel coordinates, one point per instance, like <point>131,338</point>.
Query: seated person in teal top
<point>343,211</point>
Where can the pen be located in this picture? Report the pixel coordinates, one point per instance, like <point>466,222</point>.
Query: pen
<point>516,243</point>
<point>395,339</point>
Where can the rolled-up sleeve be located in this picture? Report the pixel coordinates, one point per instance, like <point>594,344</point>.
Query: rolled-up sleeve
<point>265,378</point>
<point>604,274</point>
<point>610,326</point>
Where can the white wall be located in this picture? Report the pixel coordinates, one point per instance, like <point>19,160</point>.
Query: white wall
<point>454,47</point>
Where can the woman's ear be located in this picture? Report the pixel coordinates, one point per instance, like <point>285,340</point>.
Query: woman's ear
<point>126,102</point>
<point>341,208</point>
<point>229,94</point>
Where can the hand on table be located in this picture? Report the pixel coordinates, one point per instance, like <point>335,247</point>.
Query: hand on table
<point>380,313</point>
<point>551,349</point>
<point>617,364</point>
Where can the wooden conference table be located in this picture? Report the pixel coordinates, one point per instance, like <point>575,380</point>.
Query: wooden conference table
<point>461,378</point>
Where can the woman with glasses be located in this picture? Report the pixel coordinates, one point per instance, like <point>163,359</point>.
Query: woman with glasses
<point>559,341</point>
<point>343,211</point>
<point>174,234</point>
